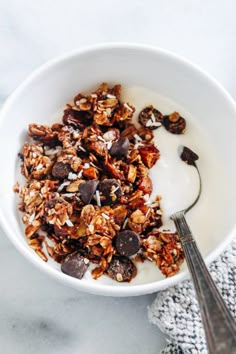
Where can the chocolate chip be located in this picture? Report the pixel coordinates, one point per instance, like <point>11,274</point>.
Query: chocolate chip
<point>110,191</point>
<point>189,156</point>
<point>150,118</point>
<point>127,243</point>
<point>50,203</point>
<point>75,265</point>
<point>21,156</point>
<point>78,119</point>
<point>60,231</point>
<point>61,170</point>
<point>121,269</point>
<point>120,148</point>
<point>50,140</point>
<point>87,190</point>
<point>174,123</point>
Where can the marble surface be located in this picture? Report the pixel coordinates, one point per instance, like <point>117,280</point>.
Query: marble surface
<point>37,314</point>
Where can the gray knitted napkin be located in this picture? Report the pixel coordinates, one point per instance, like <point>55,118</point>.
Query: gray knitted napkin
<point>175,311</point>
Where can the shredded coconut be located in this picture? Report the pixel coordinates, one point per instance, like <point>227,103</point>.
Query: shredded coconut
<point>86,165</point>
<point>128,107</point>
<point>63,185</point>
<point>105,216</point>
<point>72,176</point>
<point>82,148</point>
<point>31,218</point>
<point>69,223</point>
<point>98,199</point>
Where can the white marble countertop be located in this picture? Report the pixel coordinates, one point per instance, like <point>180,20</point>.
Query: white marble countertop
<point>37,314</point>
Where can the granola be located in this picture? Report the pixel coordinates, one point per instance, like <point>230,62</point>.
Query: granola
<point>87,197</point>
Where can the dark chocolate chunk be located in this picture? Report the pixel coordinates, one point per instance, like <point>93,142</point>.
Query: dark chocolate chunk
<point>75,265</point>
<point>120,148</point>
<point>150,118</point>
<point>127,243</point>
<point>50,203</point>
<point>87,190</point>
<point>77,119</point>
<point>61,170</point>
<point>121,269</point>
<point>110,191</point>
<point>50,140</point>
<point>60,231</point>
<point>21,156</point>
<point>174,123</point>
<point>189,156</point>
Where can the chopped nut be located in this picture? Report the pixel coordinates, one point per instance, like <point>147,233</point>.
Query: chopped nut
<point>149,154</point>
<point>132,173</point>
<point>74,186</point>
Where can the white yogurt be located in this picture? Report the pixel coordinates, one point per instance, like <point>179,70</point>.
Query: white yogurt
<point>177,182</point>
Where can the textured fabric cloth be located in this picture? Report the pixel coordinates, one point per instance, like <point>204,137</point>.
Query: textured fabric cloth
<point>175,311</point>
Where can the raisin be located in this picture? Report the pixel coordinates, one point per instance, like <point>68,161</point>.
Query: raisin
<point>121,269</point>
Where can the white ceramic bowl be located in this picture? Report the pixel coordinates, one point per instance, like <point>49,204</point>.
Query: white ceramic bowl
<point>47,90</point>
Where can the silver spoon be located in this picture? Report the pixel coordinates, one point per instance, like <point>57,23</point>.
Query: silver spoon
<point>219,324</point>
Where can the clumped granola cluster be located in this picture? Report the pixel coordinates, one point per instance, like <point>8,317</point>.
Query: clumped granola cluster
<point>87,196</point>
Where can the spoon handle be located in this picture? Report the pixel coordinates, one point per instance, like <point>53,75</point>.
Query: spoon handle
<point>219,325</point>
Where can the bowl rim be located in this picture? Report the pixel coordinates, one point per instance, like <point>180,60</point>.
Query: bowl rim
<point>90,286</point>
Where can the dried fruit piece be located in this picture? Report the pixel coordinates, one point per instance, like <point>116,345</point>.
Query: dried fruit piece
<point>150,118</point>
<point>61,170</point>
<point>90,172</point>
<point>121,269</point>
<point>119,214</point>
<point>149,154</point>
<point>189,156</point>
<point>127,243</point>
<point>132,173</point>
<point>120,148</point>
<point>87,190</point>
<point>110,191</point>
<point>146,185</point>
<point>75,265</point>
<point>174,123</point>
